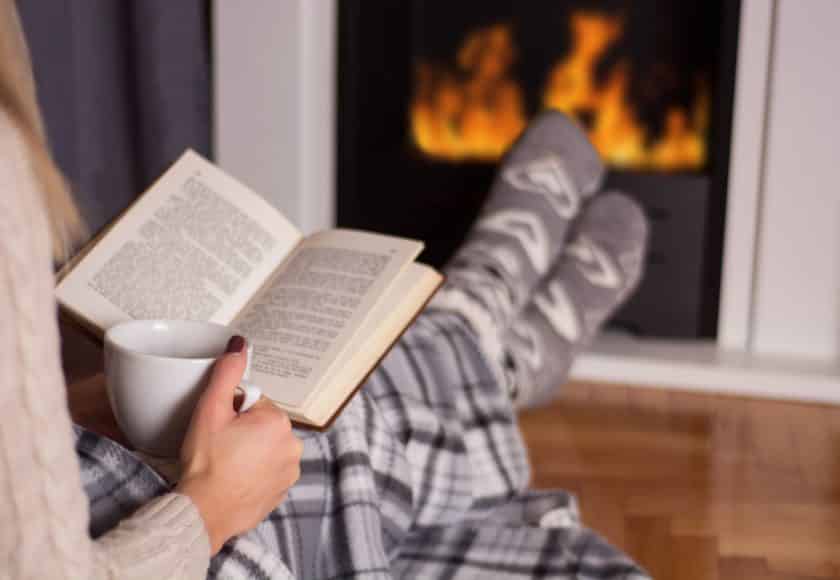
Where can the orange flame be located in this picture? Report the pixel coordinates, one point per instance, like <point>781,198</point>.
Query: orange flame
<point>475,114</point>
<point>478,111</point>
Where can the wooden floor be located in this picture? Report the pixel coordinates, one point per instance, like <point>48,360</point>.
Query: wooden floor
<point>698,486</point>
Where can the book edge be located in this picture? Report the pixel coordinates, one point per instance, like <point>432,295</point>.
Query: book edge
<point>303,424</point>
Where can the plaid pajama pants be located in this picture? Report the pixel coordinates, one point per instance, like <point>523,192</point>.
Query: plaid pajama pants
<point>424,475</point>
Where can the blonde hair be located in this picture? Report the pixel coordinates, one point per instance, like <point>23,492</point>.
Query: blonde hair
<point>18,100</point>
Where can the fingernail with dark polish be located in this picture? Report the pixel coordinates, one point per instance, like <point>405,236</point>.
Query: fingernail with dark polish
<point>235,344</point>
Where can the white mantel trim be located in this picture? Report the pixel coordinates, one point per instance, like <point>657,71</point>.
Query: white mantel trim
<point>735,322</point>
<point>317,128</point>
<point>274,102</point>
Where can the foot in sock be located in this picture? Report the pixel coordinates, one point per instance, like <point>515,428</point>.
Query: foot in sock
<point>600,268</point>
<point>522,227</point>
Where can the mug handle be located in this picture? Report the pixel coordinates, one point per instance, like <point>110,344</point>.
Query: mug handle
<point>250,392</point>
<point>251,395</point>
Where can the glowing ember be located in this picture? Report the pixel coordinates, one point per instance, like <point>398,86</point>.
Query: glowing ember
<point>476,111</point>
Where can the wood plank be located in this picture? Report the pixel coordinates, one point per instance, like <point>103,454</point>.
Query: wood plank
<point>692,412</point>
<point>695,558</point>
<point>649,540</point>
<point>755,481</point>
<point>737,568</point>
<point>817,453</point>
<point>771,441</point>
<point>729,432</point>
<point>603,502</point>
<point>653,401</point>
<point>609,395</point>
<point>803,567</point>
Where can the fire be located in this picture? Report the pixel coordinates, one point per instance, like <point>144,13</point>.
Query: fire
<point>477,111</point>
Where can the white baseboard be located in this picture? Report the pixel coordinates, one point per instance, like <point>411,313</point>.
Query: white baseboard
<point>703,366</point>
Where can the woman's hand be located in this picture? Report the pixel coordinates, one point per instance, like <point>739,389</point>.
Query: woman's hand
<point>236,468</point>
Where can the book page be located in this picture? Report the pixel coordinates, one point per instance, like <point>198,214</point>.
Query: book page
<point>389,319</point>
<point>314,306</point>
<point>197,245</point>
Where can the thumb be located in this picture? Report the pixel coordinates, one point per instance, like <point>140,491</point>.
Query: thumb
<point>215,408</point>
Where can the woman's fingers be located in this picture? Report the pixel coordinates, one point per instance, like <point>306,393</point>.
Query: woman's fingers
<point>243,471</point>
<point>216,405</point>
<point>267,413</point>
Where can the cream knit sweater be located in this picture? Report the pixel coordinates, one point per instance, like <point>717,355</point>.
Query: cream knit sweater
<point>43,507</point>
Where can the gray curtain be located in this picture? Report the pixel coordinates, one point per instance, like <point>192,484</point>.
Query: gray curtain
<point>124,87</point>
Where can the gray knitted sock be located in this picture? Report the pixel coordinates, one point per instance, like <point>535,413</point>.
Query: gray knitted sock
<point>598,271</point>
<point>522,227</point>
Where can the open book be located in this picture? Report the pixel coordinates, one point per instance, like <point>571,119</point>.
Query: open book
<point>320,311</point>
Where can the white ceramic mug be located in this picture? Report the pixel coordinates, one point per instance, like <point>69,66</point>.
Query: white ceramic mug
<point>155,370</point>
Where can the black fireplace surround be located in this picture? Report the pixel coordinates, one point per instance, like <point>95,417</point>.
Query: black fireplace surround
<point>386,183</point>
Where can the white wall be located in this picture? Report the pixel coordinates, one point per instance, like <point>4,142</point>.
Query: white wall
<point>797,281</point>
<point>274,95</point>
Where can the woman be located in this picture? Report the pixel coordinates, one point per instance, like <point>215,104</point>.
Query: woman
<point>424,474</point>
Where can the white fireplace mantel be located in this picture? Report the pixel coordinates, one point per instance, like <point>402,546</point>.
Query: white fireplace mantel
<point>779,329</point>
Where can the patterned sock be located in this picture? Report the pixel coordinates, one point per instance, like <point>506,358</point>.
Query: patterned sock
<point>522,227</point>
<point>598,271</point>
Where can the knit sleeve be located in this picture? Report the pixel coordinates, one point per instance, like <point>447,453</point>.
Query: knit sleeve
<point>43,507</point>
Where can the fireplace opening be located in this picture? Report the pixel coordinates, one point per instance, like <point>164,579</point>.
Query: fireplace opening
<point>432,93</point>
<point>641,112</point>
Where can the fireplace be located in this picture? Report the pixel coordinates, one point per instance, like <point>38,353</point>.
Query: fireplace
<point>431,93</point>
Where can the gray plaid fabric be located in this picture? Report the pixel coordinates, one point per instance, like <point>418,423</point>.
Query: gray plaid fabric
<point>424,475</point>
